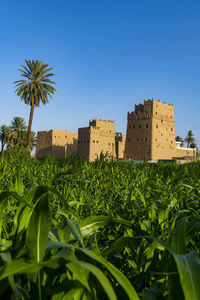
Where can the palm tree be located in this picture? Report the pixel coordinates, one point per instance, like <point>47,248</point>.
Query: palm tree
<point>33,140</point>
<point>18,126</point>
<point>193,145</point>
<point>179,139</point>
<point>189,138</point>
<point>4,135</point>
<point>35,88</point>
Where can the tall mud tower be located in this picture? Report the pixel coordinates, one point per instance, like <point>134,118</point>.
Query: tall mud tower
<point>150,132</point>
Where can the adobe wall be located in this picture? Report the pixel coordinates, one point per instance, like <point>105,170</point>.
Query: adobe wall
<point>84,142</point>
<point>98,137</point>
<point>185,152</point>
<point>163,131</point>
<point>102,138</point>
<point>138,133</point>
<point>44,143</point>
<point>119,145</point>
<point>150,131</point>
<point>57,143</point>
<point>64,143</point>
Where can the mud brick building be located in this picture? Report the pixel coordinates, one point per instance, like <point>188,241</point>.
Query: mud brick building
<point>57,143</point>
<point>151,133</point>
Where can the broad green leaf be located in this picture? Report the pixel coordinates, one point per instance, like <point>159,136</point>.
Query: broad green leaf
<point>66,286</point>
<point>91,224</point>
<point>75,230</point>
<point>179,237</point>
<point>19,266</point>
<point>19,186</point>
<point>38,229</point>
<point>189,271</point>
<point>74,294</point>
<point>120,278</point>
<point>100,277</point>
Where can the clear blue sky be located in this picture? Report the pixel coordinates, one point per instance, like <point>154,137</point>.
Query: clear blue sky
<point>107,55</point>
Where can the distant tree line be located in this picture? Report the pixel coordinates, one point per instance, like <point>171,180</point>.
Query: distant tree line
<point>189,140</point>
<point>16,135</point>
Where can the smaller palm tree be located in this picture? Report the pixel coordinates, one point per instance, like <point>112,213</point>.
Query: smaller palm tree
<point>189,138</point>
<point>193,145</point>
<point>18,126</point>
<point>4,135</point>
<point>179,139</point>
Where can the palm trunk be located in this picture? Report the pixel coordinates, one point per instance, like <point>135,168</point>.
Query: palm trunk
<point>28,146</point>
<point>2,146</point>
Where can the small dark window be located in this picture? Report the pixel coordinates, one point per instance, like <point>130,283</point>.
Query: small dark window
<point>129,140</point>
<point>171,129</point>
<point>161,121</point>
<point>109,144</point>
<point>97,142</point>
<point>161,134</point>
<point>156,140</point>
<point>133,126</point>
<point>93,141</point>
<point>147,125</point>
<point>156,126</point>
<point>79,142</point>
<point>171,142</point>
<point>146,139</point>
<point>140,126</point>
<point>156,113</point>
<point>137,139</point>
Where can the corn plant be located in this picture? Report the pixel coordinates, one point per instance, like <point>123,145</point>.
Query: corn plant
<point>104,230</point>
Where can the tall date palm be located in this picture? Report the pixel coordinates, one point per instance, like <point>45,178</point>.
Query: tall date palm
<point>35,88</point>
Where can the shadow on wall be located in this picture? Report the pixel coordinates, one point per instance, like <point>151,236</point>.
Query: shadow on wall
<point>65,150</point>
<point>71,148</point>
<point>59,151</point>
<point>43,152</point>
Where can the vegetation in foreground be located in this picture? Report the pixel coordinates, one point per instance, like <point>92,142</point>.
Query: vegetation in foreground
<point>102,230</point>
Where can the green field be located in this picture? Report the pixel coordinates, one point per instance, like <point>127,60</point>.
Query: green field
<point>104,230</point>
